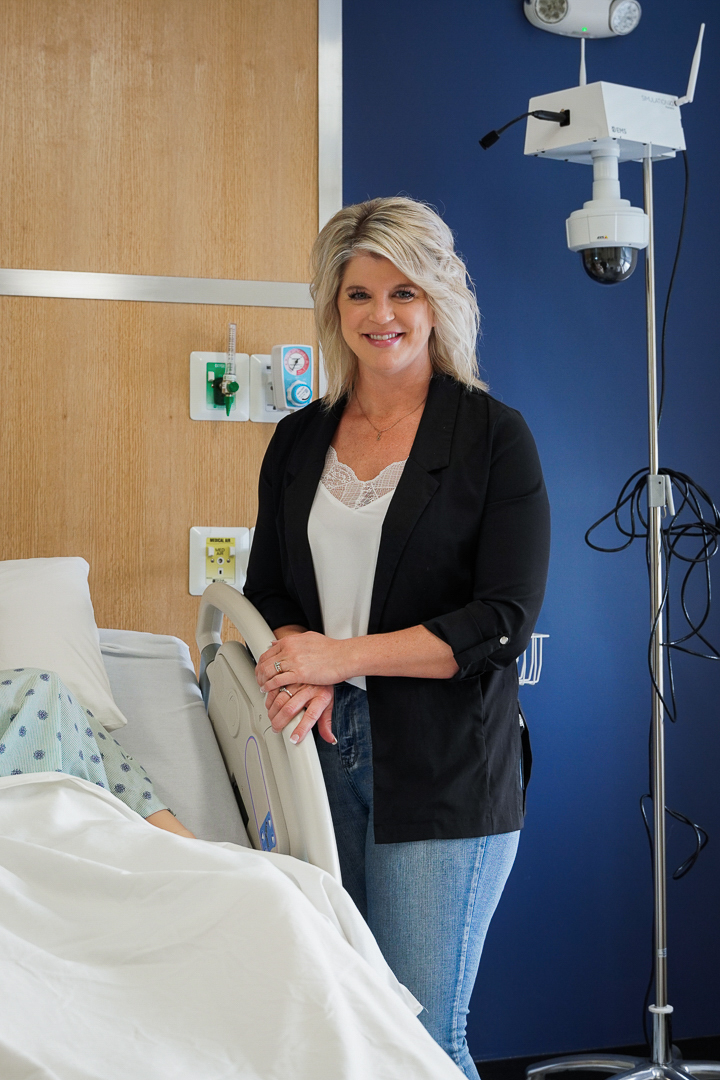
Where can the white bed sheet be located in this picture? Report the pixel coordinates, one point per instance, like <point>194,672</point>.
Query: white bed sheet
<point>131,952</point>
<point>168,731</point>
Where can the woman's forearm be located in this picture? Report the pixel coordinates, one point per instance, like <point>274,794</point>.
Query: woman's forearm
<point>307,657</point>
<point>414,653</point>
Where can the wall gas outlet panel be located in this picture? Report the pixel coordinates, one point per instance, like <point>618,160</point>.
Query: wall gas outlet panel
<point>280,383</point>
<point>218,553</point>
<point>205,369</point>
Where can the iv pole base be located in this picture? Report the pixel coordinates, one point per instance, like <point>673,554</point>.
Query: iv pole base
<point>625,1068</point>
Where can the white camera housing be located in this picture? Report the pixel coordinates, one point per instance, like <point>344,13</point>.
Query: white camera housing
<point>607,223</point>
<point>606,220</point>
<point>608,230</point>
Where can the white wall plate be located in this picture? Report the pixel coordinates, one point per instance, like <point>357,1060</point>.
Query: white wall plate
<point>218,553</point>
<point>199,408</point>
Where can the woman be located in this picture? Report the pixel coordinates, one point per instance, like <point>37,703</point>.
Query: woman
<point>400,557</point>
<point>44,728</point>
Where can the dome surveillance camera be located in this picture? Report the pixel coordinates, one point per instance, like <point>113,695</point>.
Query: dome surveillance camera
<point>608,231</point>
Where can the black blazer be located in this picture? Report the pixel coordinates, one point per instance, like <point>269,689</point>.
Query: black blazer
<point>464,551</point>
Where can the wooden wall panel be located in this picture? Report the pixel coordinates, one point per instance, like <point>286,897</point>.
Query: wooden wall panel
<point>169,137</point>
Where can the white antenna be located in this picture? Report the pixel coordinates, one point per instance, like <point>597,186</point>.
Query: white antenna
<point>583,72</point>
<point>694,68</point>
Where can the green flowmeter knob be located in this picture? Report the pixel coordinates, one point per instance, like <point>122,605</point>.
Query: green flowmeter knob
<point>232,388</point>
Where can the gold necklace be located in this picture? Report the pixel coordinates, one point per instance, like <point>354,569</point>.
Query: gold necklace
<point>381,431</point>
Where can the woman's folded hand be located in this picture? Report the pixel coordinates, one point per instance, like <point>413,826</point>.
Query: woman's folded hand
<point>317,702</point>
<point>304,658</point>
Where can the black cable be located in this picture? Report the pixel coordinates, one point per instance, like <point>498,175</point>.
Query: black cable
<point>701,837</point>
<point>562,118</point>
<point>681,233</point>
<point>690,536</point>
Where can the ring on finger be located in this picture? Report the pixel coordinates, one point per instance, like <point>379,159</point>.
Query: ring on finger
<point>285,690</point>
<point>278,667</point>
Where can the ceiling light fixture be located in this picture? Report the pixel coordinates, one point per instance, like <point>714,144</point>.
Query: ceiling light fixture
<point>584,18</point>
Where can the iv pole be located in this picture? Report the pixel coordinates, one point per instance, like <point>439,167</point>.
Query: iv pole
<point>664,1064</point>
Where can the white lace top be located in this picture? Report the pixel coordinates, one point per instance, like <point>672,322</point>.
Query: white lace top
<point>344,530</point>
<point>342,482</point>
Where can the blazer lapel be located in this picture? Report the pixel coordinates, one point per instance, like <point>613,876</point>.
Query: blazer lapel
<point>304,468</point>
<point>430,452</point>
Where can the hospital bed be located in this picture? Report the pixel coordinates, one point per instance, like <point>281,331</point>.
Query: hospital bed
<point>129,951</point>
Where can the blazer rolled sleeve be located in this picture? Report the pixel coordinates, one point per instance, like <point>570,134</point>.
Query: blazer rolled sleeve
<point>511,560</point>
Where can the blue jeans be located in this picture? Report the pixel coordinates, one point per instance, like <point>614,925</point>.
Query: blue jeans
<point>429,902</point>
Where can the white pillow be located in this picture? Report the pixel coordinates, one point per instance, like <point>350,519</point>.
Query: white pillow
<point>47,621</point>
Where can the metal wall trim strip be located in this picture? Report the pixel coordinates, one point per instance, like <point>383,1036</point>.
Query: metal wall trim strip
<point>70,284</point>
<point>330,116</point>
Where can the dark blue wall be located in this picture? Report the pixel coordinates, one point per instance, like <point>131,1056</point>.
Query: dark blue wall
<point>567,958</point>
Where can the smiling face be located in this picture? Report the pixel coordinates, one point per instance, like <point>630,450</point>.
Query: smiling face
<point>385,319</point>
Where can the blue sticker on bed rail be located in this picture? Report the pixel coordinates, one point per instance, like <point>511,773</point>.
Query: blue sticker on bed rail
<point>268,840</point>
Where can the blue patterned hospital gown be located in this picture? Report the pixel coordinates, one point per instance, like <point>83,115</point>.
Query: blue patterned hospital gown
<point>44,729</point>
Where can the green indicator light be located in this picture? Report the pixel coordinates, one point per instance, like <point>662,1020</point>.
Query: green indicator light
<point>584,29</point>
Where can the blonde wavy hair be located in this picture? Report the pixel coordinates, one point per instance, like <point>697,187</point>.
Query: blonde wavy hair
<point>418,242</point>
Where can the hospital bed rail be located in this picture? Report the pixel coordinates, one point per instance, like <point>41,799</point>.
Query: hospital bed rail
<point>280,784</point>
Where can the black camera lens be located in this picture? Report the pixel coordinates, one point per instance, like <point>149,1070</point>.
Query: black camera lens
<point>609,265</point>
